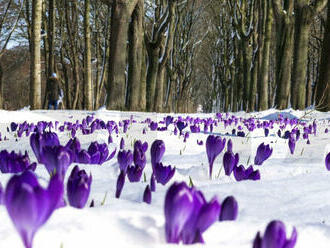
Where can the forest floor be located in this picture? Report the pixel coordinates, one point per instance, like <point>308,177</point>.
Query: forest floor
<point>293,188</point>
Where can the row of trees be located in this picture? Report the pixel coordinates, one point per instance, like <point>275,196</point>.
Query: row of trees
<point>268,54</point>
<point>172,55</point>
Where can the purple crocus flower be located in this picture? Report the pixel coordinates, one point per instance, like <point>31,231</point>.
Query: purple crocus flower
<point>134,173</point>
<point>229,209</point>
<point>168,120</point>
<point>230,161</point>
<point>15,163</point>
<point>327,161</point>
<point>99,153</point>
<point>74,146</point>
<point>275,237</point>
<point>153,126</point>
<point>292,145</point>
<point>188,214</point>
<point>125,159</point>
<point>57,159</point>
<point>147,195</point>
<point>29,205</point>
<point>139,156</point>
<point>78,187</point>
<point>240,134</point>
<point>162,173</point>
<point>120,183</point>
<point>40,140</point>
<point>179,206</point>
<point>181,125</point>
<point>241,173</point>
<point>157,151</point>
<point>214,146</point>
<point>263,153</point>
<point>13,126</point>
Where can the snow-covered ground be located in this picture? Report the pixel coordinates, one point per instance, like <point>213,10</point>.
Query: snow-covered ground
<point>293,188</point>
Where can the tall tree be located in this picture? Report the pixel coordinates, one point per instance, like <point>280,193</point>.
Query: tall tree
<point>121,13</point>
<point>35,81</point>
<point>88,86</point>
<point>135,57</point>
<point>284,18</point>
<point>5,36</point>
<point>264,66</point>
<point>304,16</point>
<point>322,98</point>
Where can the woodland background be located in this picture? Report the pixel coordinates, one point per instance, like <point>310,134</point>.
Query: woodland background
<point>167,55</point>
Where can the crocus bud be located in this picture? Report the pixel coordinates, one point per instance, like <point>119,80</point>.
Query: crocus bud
<point>122,144</point>
<point>147,195</point>
<point>229,162</point>
<point>139,156</point>
<point>229,146</point>
<point>266,132</point>
<point>214,146</point>
<point>275,237</point>
<point>229,209</point>
<point>157,151</point>
<point>120,183</point>
<point>29,205</point>
<point>327,161</point>
<point>263,153</point>
<point>78,187</point>
<point>125,159</point>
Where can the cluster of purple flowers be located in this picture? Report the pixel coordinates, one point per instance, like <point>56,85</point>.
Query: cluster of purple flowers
<point>188,215</point>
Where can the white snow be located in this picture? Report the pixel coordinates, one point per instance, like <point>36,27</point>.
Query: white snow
<point>293,188</point>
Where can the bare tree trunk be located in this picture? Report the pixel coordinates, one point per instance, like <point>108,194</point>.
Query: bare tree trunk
<point>304,14</point>
<point>51,37</point>
<point>264,67</point>
<point>285,30</point>
<point>135,56</point>
<point>302,29</point>
<point>1,87</point>
<point>153,55</point>
<point>117,62</point>
<point>143,82</point>
<point>35,81</point>
<point>88,94</point>
<point>322,98</point>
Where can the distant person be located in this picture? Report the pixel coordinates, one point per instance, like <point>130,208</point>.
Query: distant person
<point>53,92</point>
